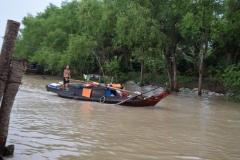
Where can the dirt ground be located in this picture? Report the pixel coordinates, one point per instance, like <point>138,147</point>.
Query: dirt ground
<point>208,84</point>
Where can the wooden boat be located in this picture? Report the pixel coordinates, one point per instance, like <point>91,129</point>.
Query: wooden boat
<point>32,69</point>
<point>99,94</point>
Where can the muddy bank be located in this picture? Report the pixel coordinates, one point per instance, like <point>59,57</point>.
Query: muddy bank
<point>210,86</point>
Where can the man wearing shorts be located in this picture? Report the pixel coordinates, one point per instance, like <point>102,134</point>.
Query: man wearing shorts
<point>66,77</point>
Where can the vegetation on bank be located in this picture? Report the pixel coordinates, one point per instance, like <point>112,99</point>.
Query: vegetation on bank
<point>175,39</point>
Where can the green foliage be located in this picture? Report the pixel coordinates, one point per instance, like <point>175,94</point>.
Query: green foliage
<point>122,78</point>
<point>231,78</point>
<point>184,79</point>
<point>151,79</point>
<point>133,75</point>
<point>105,79</point>
<point>112,68</point>
<point>233,98</point>
<point>148,79</point>
<point>113,37</point>
<point>215,71</point>
<point>159,59</point>
<point>162,79</point>
<point>226,31</point>
<point>78,53</point>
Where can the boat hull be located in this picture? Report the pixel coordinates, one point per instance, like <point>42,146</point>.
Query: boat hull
<point>30,71</point>
<point>98,95</point>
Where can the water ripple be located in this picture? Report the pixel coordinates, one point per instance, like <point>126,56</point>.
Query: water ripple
<point>182,126</point>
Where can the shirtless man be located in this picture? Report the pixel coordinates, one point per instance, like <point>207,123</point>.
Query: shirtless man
<point>66,77</point>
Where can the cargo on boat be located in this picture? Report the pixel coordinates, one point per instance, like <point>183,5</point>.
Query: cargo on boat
<point>105,94</point>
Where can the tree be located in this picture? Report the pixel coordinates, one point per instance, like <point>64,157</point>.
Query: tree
<point>198,23</point>
<point>133,30</point>
<point>226,41</point>
<point>95,20</point>
<point>78,53</point>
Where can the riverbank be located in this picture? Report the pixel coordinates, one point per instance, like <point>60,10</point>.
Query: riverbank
<point>208,85</point>
<point>192,88</point>
<point>211,86</point>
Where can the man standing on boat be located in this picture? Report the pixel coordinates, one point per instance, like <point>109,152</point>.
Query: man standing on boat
<point>66,77</point>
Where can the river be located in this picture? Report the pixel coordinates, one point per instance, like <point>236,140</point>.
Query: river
<point>182,126</point>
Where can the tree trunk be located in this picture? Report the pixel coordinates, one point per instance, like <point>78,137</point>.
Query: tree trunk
<point>14,80</point>
<point>99,63</point>
<point>169,79</point>
<point>175,76</point>
<point>144,67</point>
<point>128,58</point>
<point>142,72</point>
<point>168,68</point>
<point>200,74</point>
<point>7,52</point>
<point>196,53</point>
<point>44,71</point>
<point>204,52</point>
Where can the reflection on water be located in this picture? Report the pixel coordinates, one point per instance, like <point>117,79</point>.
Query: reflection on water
<point>182,126</point>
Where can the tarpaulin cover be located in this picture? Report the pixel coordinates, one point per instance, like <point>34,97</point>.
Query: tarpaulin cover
<point>86,92</point>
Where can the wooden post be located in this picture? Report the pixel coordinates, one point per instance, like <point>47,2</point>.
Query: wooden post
<point>7,52</point>
<point>8,81</point>
<point>16,72</point>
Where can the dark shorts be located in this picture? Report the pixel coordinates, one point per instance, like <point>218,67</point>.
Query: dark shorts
<point>64,80</point>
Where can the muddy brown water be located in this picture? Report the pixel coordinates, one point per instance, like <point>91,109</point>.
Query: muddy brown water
<point>44,126</point>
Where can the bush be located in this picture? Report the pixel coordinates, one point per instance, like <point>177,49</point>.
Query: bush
<point>134,76</point>
<point>183,79</point>
<point>148,79</point>
<point>231,80</point>
<point>105,79</point>
<point>122,78</point>
<point>233,98</point>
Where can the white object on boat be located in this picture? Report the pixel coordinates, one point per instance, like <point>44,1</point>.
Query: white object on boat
<point>54,85</point>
